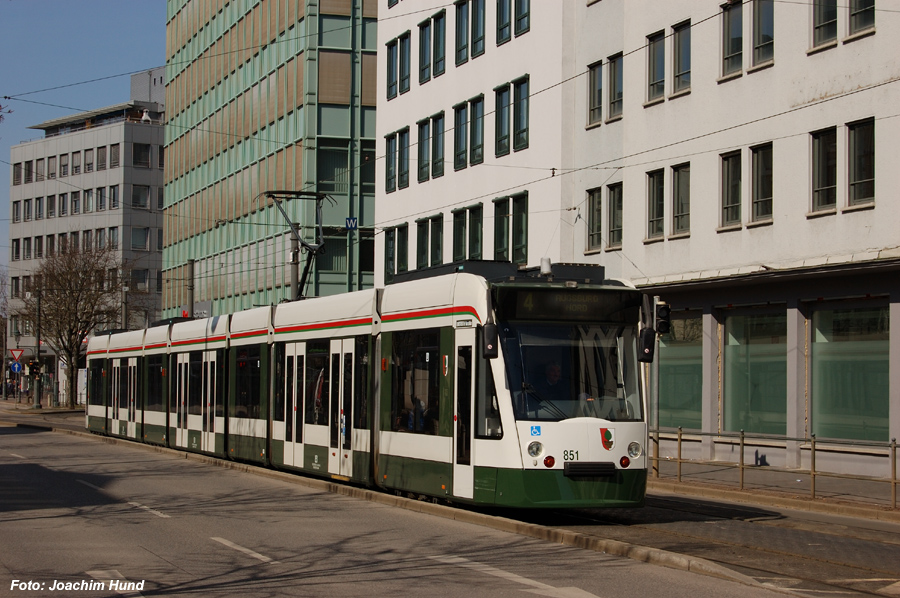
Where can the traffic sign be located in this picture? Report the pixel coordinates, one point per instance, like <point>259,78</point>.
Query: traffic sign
<point>17,353</point>
<point>15,367</point>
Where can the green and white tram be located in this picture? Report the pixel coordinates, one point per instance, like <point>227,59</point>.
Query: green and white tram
<point>504,388</point>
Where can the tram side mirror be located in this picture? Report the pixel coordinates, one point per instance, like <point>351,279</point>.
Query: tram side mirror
<point>647,345</point>
<point>491,341</point>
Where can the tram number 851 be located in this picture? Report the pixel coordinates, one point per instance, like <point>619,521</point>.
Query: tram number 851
<point>570,455</point>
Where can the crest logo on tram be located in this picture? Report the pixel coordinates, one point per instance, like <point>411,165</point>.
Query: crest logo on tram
<point>608,436</point>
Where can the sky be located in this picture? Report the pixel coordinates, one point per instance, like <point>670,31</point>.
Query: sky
<point>86,49</point>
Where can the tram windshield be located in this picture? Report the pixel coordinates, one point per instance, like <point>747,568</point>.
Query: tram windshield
<point>562,370</point>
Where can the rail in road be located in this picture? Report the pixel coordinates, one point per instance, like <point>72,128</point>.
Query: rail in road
<point>807,553</point>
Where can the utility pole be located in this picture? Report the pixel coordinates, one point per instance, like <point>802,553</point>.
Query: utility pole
<point>295,265</point>
<point>190,288</point>
<point>39,383</point>
<point>312,249</point>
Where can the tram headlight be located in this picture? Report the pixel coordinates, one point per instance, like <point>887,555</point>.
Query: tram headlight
<point>535,449</point>
<point>635,450</point>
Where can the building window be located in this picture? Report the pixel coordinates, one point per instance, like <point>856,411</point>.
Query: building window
<point>26,247</point>
<point>28,211</point>
<point>15,250</point>
<point>390,163</point>
<point>39,169</point>
<point>76,162</point>
<point>862,15</point>
<point>16,211</point>
<point>63,204</point>
<point>51,245</point>
<point>462,32</point>
<point>51,167</point>
<point>160,198</point>
<point>101,198</point>
<point>101,158</point>
<point>476,132</point>
<point>656,203</point>
<point>63,244</point>
<point>681,374</point>
<point>459,235</point>
<point>477,27</point>
<point>17,173</point>
<point>523,16</point>
<point>159,241</point>
<point>140,197</point>
<point>520,228</point>
<point>824,169</point>
<point>501,143</point>
<point>39,247</point>
<point>88,160</point>
<point>731,189</point>
<point>425,51</point>
<point>615,86</point>
<point>140,236</point>
<point>681,199</point>
<point>39,208</point>
<point>401,247</point>
<point>656,66</point>
<point>595,219</point>
<point>476,218</point>
<point>595,93</point>
<point>390,249</point>
<point>113,197</point>
<point>421,244</point>
<point>64,165</point>
<point>29,172</point>
<point>437,145</point>
<point>403,159</point>
<point>392,69</point>
<point>614,201</point>
<point>862,161</point>
<point>824,21</point>
<point>437,240</point>
<point>732,37</point>
<point>460,135</point>
<point>161,157</point>
<point>755,373</point>
<point>520,113</point>
<point>14,285</point>
<point>440,42</point>
<point>424,160</point>
<point>501,229</point>
<point>405,61</point>
<point>114,237</point>
<point>762,182</point>
<point>850,373</point>
<point>101,238</point>
<point>763,31</point>
<point>113,155</point>
<point>504,21</point>
<point>141,155</point>
<point>88,200</point>
<point>51,206</point>
<point>76,202</point>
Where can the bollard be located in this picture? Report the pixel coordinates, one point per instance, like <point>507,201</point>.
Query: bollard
<point>812,467</point>
<point>679,454</point>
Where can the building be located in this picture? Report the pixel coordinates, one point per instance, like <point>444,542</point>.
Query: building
<point>267,95</point>
<point>721,156</point>
<point>95,179</point>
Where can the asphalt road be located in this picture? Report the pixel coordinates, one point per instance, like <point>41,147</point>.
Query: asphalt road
<point>83,512</point>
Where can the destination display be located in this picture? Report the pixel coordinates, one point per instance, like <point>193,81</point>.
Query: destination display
<point>569,305</point>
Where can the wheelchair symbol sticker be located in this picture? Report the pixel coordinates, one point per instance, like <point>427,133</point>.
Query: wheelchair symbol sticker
<point>535,430</point>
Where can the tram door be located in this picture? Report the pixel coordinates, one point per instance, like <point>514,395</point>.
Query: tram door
<point>123,403</point>
<point>340,453</point>
<point>463,471</point>
<point>181,399</point>
<point>293,403</point>
<point>209,398</point>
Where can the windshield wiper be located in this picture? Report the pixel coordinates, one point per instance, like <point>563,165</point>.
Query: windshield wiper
<point>545,403</point>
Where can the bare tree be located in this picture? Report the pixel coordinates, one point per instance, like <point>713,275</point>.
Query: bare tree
<point>78,291</point>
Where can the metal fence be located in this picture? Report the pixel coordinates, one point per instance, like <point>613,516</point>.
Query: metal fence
<point>742,467</point>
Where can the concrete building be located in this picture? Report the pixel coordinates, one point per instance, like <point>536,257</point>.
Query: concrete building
<point>93,179</point>
<point>721,156</point>
<point>267,95</point>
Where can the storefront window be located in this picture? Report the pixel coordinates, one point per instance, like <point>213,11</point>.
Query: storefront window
<point>755,372</point>
<point>850,381</point>
<point>681,374</point>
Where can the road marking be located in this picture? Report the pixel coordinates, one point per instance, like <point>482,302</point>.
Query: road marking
<point>19,456</point>
<point>893,589</point>
<point>246,551</point>
<point>89,485</point>
<point>113,575</point>
<point>146,508</point>
<point>539,588</point>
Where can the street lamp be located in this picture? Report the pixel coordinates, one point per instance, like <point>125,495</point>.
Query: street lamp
<point>18,336</point>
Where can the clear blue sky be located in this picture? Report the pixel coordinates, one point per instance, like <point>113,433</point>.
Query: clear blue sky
<point>54,43</point>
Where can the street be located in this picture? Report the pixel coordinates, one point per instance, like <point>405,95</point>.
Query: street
<point>112,519</point>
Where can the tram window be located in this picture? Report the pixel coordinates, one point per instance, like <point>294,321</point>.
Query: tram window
<point>123,384</point>
<point>487,407</point>
<point>348,399</point>
<point>95,397</point>
<point>220,383</point>
<point>335,397</point>
<point>415,381</point>
<point>317,383</point>
<point>278,413</point>
<point>288,377</point>
<point>195,386</point>
<point>247,380</point>
<point>298,409</point>
<point>463,405</point>
<point>173,383</point>
<point>361,397</point>
<point>155,378</point>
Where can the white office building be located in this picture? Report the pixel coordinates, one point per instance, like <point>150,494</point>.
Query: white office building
<point>721,156</point>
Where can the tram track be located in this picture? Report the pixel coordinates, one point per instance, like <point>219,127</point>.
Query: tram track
<point>810,557</point>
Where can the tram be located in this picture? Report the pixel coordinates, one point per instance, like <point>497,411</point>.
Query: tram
<point>484,385</point>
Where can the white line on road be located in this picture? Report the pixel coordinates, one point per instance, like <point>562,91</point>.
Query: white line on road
<point>89,485</point>
<point>146,508</point>
<point>19,456</point>
<point>246,551</point>
<point>107,577</point>
<point>539,588</point>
